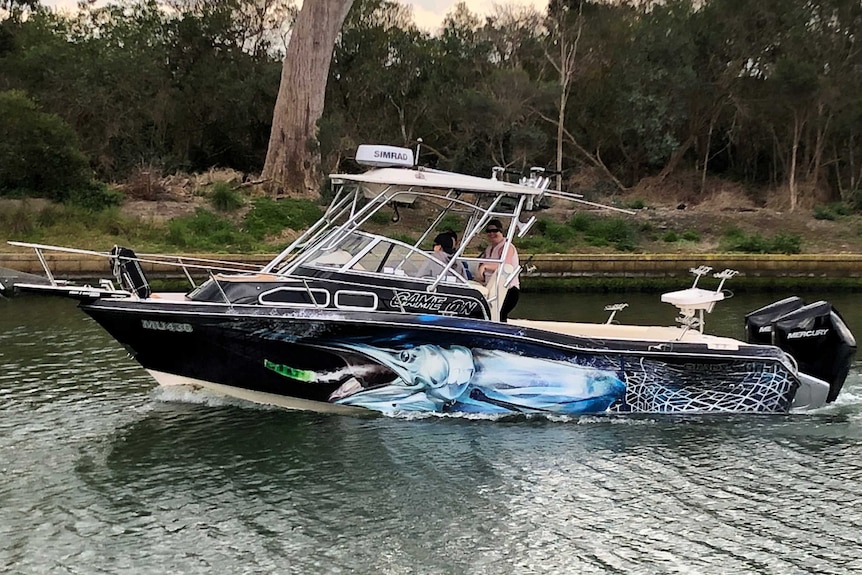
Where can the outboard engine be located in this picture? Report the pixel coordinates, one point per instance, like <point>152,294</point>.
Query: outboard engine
<point>758,324</point>
<point>815,335</point>
<point>127,269</point>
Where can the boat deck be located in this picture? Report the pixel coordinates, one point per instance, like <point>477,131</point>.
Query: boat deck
<point>630,332</point>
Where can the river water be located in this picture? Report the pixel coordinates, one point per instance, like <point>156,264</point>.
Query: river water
<point>104,473</point>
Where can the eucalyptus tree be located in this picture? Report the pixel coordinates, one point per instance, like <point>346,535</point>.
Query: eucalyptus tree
<point>565,26</point>
<point>466,113</point>
<point>817,77</point>
<point>844,149</point>
<point>583,46</point>
<point>656,77</point>
<point>292,157</point>
<point>515,37</point>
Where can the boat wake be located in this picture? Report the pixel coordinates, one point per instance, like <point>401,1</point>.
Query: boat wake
<point>199,396</point>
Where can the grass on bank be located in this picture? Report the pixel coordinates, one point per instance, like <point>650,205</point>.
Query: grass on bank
<point>262,229</point>
<point>258,231</point>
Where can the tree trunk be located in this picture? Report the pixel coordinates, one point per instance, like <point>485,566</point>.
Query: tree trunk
<point>706,153</point>
<point>675,159</point>
<point>566,70</point>
<point>797,135</point>
<point>292,159</point>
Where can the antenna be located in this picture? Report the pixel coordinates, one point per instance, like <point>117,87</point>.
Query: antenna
<point>418,145</point>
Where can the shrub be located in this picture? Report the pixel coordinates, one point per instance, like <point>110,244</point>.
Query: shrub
<point>95,196</point>
<point>560,234</point>
<point>381,218</point>
<point>539,245</point>
<point>450,222</point>
<point>38,151</point>
<point>206,231</point>
<point>581,222</point>
<point>18,221</point>
<point>616,231</point>
<point>824,213</point>
<point>690,236</point>
<point>831,211</point>
<point>670,237</point>
<point>786,244</point>
<point>224,198</point>
<point>268,217</point>
<point>735,240</point>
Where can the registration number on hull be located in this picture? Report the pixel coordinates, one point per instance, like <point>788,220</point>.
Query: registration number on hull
<point>166,326</point>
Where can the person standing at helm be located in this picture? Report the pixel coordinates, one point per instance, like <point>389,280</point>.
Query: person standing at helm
<point>497,244</point>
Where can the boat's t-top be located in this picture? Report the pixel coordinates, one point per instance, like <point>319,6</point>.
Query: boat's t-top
<point>464,205</point>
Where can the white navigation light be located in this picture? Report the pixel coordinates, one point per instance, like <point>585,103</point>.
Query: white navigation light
<point>383,156</point>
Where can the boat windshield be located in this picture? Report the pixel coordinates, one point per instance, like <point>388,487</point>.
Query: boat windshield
<point>370,253</point>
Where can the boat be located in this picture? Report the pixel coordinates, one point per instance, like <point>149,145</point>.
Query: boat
<point>345,320</point>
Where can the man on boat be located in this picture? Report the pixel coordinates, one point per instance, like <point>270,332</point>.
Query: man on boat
<point>497,247</point>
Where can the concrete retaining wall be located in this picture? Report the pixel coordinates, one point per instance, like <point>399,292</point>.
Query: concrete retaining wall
<point>672,265</point>
<point>73,266</point>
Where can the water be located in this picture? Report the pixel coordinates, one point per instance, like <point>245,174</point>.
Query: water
<point>103,473</point>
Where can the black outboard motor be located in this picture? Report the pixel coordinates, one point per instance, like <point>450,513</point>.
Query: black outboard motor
<point>127,269</point>
<point>758,324</point>
<point>815,335</point>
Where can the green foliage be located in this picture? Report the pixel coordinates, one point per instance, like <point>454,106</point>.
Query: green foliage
<point>95,197</point>
<point>206,231</point>
<point>381,218</point>
<point>561,234</point>
<point>19,222</point>
<point>224,198</point>
<point>539,244</point>
<point>831,211</point>
<point>636,204</point>
<point>38,151</point>
<point>552,237</point>
<point>618,232</point>
<point>269,217</point>
<point>824,213</point>
<point>690,236</point>
<point>70,224</point>
<point>658,85</point>
<point>406,238</point>
<point>687,236</point>
<point>736,240</point>
<point>581,221</point>
<point>786,244</point>
<point>451,222</point>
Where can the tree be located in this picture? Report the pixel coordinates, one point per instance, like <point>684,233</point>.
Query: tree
<point>292,158</point>
<point>38,151</point>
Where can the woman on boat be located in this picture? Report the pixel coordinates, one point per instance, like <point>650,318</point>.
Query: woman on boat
<point>496,246</point>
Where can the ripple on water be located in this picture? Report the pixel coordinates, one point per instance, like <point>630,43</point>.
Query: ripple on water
<point>104,472</point>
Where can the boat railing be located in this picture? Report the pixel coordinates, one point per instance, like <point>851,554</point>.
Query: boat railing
<point>186,264</point>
